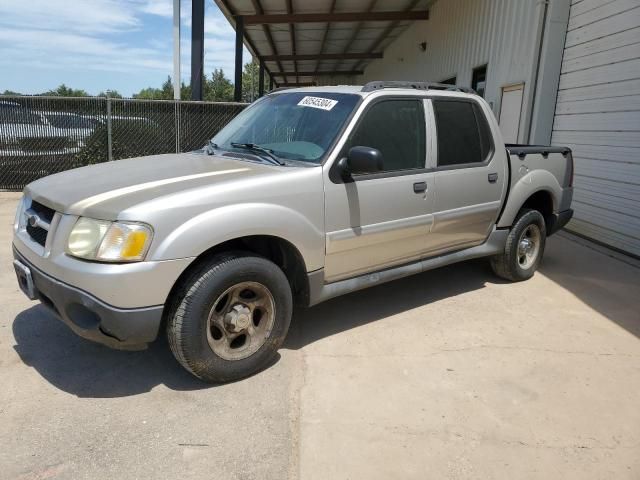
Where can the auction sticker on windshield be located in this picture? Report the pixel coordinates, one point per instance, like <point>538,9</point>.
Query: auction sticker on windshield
<point>317,102</point>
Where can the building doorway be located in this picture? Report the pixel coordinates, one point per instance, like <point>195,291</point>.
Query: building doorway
<point>510,110</point>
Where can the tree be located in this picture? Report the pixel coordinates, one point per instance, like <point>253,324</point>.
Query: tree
<point>64,91</point>
<point>185,91</point>
<point>163,93</point>
<point>148,93</point>
<point>216,88</point>
<point>110,94</point>
<point>219,88</point>
<point>10,92</point>
<point>250,77</point>
<point>167,89</point>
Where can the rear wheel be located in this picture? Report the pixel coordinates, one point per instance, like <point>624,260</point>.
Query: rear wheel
<point>524,248</point>
<point>230,317</point>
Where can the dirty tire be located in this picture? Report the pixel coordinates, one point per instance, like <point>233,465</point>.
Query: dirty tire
<point>188,317</point>
<point>508,265</point>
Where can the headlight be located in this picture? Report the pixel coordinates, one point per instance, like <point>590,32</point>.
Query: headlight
<point>109,241</point>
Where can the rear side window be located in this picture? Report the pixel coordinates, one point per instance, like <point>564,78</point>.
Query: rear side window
<point>463,133</point>
<point>397,129</point>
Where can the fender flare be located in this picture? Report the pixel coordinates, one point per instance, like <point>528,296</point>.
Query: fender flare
<point>202,232</point>
<point>531,183</point>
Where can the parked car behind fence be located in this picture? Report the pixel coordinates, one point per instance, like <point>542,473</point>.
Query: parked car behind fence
<point>44,135</point>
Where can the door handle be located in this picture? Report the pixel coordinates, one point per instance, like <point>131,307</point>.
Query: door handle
<point>419,187</point>
<point>493,177</point>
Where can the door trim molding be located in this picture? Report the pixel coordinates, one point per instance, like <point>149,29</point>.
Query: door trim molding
<point>340,240</point>
<point>320,291</point>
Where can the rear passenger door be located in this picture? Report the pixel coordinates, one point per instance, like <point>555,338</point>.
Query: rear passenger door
<point>469,177</point>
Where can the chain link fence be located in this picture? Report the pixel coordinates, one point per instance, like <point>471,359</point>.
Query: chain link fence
<point>44,135</point>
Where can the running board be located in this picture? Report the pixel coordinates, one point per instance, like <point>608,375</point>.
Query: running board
<point>319,293</point>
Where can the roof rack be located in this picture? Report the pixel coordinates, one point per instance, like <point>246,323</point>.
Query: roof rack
<point>378,85</point>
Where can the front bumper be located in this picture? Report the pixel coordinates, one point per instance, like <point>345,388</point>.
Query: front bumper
<point>86,315</point>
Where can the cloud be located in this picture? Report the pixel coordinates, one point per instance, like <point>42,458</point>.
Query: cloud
<point>162,8</point>
<point>52,39</point>
<point>94,16</point>
<point>42,48</point>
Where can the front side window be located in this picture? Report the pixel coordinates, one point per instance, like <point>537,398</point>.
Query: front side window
<point>463,133</point>
<point>397,129</point>
<point>294,126</point>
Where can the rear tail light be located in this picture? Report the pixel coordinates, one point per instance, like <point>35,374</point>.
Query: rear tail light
<point>571,168</point>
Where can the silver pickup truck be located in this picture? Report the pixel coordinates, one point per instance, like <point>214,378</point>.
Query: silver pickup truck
<point>306,195</point>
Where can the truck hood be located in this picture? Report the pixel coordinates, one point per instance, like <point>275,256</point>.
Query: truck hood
<point>104,190</point>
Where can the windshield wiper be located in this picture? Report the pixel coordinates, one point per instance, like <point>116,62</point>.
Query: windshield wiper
<point>211,146</point>
<point>268,154</point>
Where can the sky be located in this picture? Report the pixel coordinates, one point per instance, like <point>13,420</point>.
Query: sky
<point>95,45</point>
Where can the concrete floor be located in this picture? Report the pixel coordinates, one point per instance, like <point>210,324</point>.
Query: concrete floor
<point>448,374</point>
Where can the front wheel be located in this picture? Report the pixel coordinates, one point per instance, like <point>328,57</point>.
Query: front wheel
<point>230,317</point>
<point>524,248</point>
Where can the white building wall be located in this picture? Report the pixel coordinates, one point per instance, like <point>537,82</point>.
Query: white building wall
<point>462,35</point>
<point>598,116</point>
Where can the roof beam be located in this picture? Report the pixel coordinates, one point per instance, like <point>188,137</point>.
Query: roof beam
<point>252,46</point>
<point>292,35</point>
<point>326,33</point>
<point>299,84</point>
<point>336,17</point>
<point>387,31</point>
<point>257,6</point>
<point>355,33</point>
<point>315,74</point>
<point>324,56</point>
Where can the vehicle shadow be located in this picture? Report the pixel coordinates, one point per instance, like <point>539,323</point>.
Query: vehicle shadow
<point>605,283</point>
<point>366,306</point>
<point>87,369</point>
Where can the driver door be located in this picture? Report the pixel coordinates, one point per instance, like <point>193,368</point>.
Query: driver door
<point>382,219</point>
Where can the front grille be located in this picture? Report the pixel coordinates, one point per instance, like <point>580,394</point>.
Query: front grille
<point>45,212</point>
<point>39,234</point>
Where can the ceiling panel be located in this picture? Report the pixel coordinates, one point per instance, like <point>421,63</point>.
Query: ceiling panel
<point>339,37</point>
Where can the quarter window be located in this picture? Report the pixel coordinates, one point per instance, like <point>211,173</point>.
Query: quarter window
<point>397,129</point>
<point>463,133</point>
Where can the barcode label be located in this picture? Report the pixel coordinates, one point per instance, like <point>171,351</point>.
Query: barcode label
<point>317,102</point>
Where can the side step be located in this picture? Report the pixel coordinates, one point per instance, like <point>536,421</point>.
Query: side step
<point>494,245</point>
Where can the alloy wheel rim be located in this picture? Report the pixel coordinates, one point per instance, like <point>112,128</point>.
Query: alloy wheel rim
<point>241,320</point>
<point>529,246</point>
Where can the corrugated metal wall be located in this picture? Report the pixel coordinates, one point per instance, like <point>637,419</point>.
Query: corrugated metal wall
<point>598,116</point>
<point>462,35</point>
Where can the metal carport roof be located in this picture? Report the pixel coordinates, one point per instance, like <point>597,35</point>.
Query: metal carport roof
<point>299,41</point>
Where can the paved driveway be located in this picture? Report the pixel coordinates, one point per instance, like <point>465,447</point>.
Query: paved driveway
<point>448,374</point>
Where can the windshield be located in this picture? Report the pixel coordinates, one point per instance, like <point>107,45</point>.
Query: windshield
<point>294,126</point>
<point>20,115</point>
<point>68,120</point>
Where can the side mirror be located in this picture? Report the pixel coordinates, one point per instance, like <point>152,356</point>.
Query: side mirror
<point>361,160</point>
